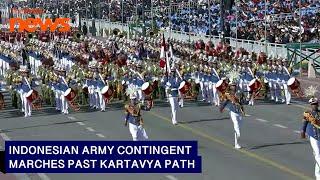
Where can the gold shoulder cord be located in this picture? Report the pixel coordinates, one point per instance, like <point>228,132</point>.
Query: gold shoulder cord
<point>308,117</point>
<point>235,101</point>
<point>133,110</point>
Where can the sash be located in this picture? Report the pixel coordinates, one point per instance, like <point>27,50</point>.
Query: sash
<point>102,79</point>
<point>251,72</point>
<point>64,81</point>
<point>214,70</point>
<point>27,82</point>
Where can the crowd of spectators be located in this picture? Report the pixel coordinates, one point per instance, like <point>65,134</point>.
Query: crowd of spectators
<point>276,21</point>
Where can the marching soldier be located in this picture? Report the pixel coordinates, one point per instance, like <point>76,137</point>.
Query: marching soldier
<point>243,75</point>
<point>184,76</point>
<point>206,79</point>
<point>25,89</point>
<point>139,82</point>
<point>250,76</point>
<point>91,83</point>
<point>55,86</point>
<point>63,86</point>
<point>100,85</point>
<point>133,117</point>
<point>214,78</point>
<point>162,87</point>
<point>82,78</point>
<point>172,88</point>
<point>311,127</point>
<point>285,76</point>
<point>44,74</point>
<point>235,108</point>
<point>50,89</point>
<point>17,82</point>
<point>276,80</point>
<point>201,76</point>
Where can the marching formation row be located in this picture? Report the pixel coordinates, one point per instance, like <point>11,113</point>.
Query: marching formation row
<point>65,74</point>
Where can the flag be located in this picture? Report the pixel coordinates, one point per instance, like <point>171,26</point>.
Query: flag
<point>163,59</point>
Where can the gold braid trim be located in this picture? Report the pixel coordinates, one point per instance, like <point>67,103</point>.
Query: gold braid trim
<point>308,117</point>
<point>134,110</point>
<point>234,100</point>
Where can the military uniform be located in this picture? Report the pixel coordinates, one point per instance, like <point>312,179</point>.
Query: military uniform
<point>91,83</point>
<point>202,82</point>
<point>214,78</point>
<point>55,86</point>
<point>249,77</point>
<point>172,87</point>
<point>312,129</point>
<point>134,120</point>
<point>100,85</point>
<point>275,80</point>
<point>82,83</point>
<point>139,82</point>
<point>232,103</point>
<point>4,64</point>
<point>63,86</point>
<point>25,88</point>
<point>162,87</point>
<point>285,76</point>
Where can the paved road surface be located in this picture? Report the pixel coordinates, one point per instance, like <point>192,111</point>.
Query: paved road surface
<point>272,147</point>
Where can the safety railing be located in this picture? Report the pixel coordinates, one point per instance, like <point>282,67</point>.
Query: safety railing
<point>271,49</point>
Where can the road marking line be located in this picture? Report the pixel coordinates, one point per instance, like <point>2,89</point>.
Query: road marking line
<point>81,123</point>
<point>100,135</point>
<point>43,176</point>
<point>4,136</point>
<point>171,177</point>
<point>71,118</point>
<point>261,120</point>
<point>280,126</point>
<point>23,176</point>
<point>90,129</point>
<point>248,115</point>
<point>298,132</point>
<point>301,106</point>
<point>243,151</point>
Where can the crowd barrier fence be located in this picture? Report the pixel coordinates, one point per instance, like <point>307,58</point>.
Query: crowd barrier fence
<point>271,49</point>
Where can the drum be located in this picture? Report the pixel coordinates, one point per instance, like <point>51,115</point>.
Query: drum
<point>255,85</point>
<point>293,83</point>
<point>70,94</point>
<point>147,88</point>
<point>184,87</point>
<point>222,86</point>
<point>107,92</point>
<point>32,95</point>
